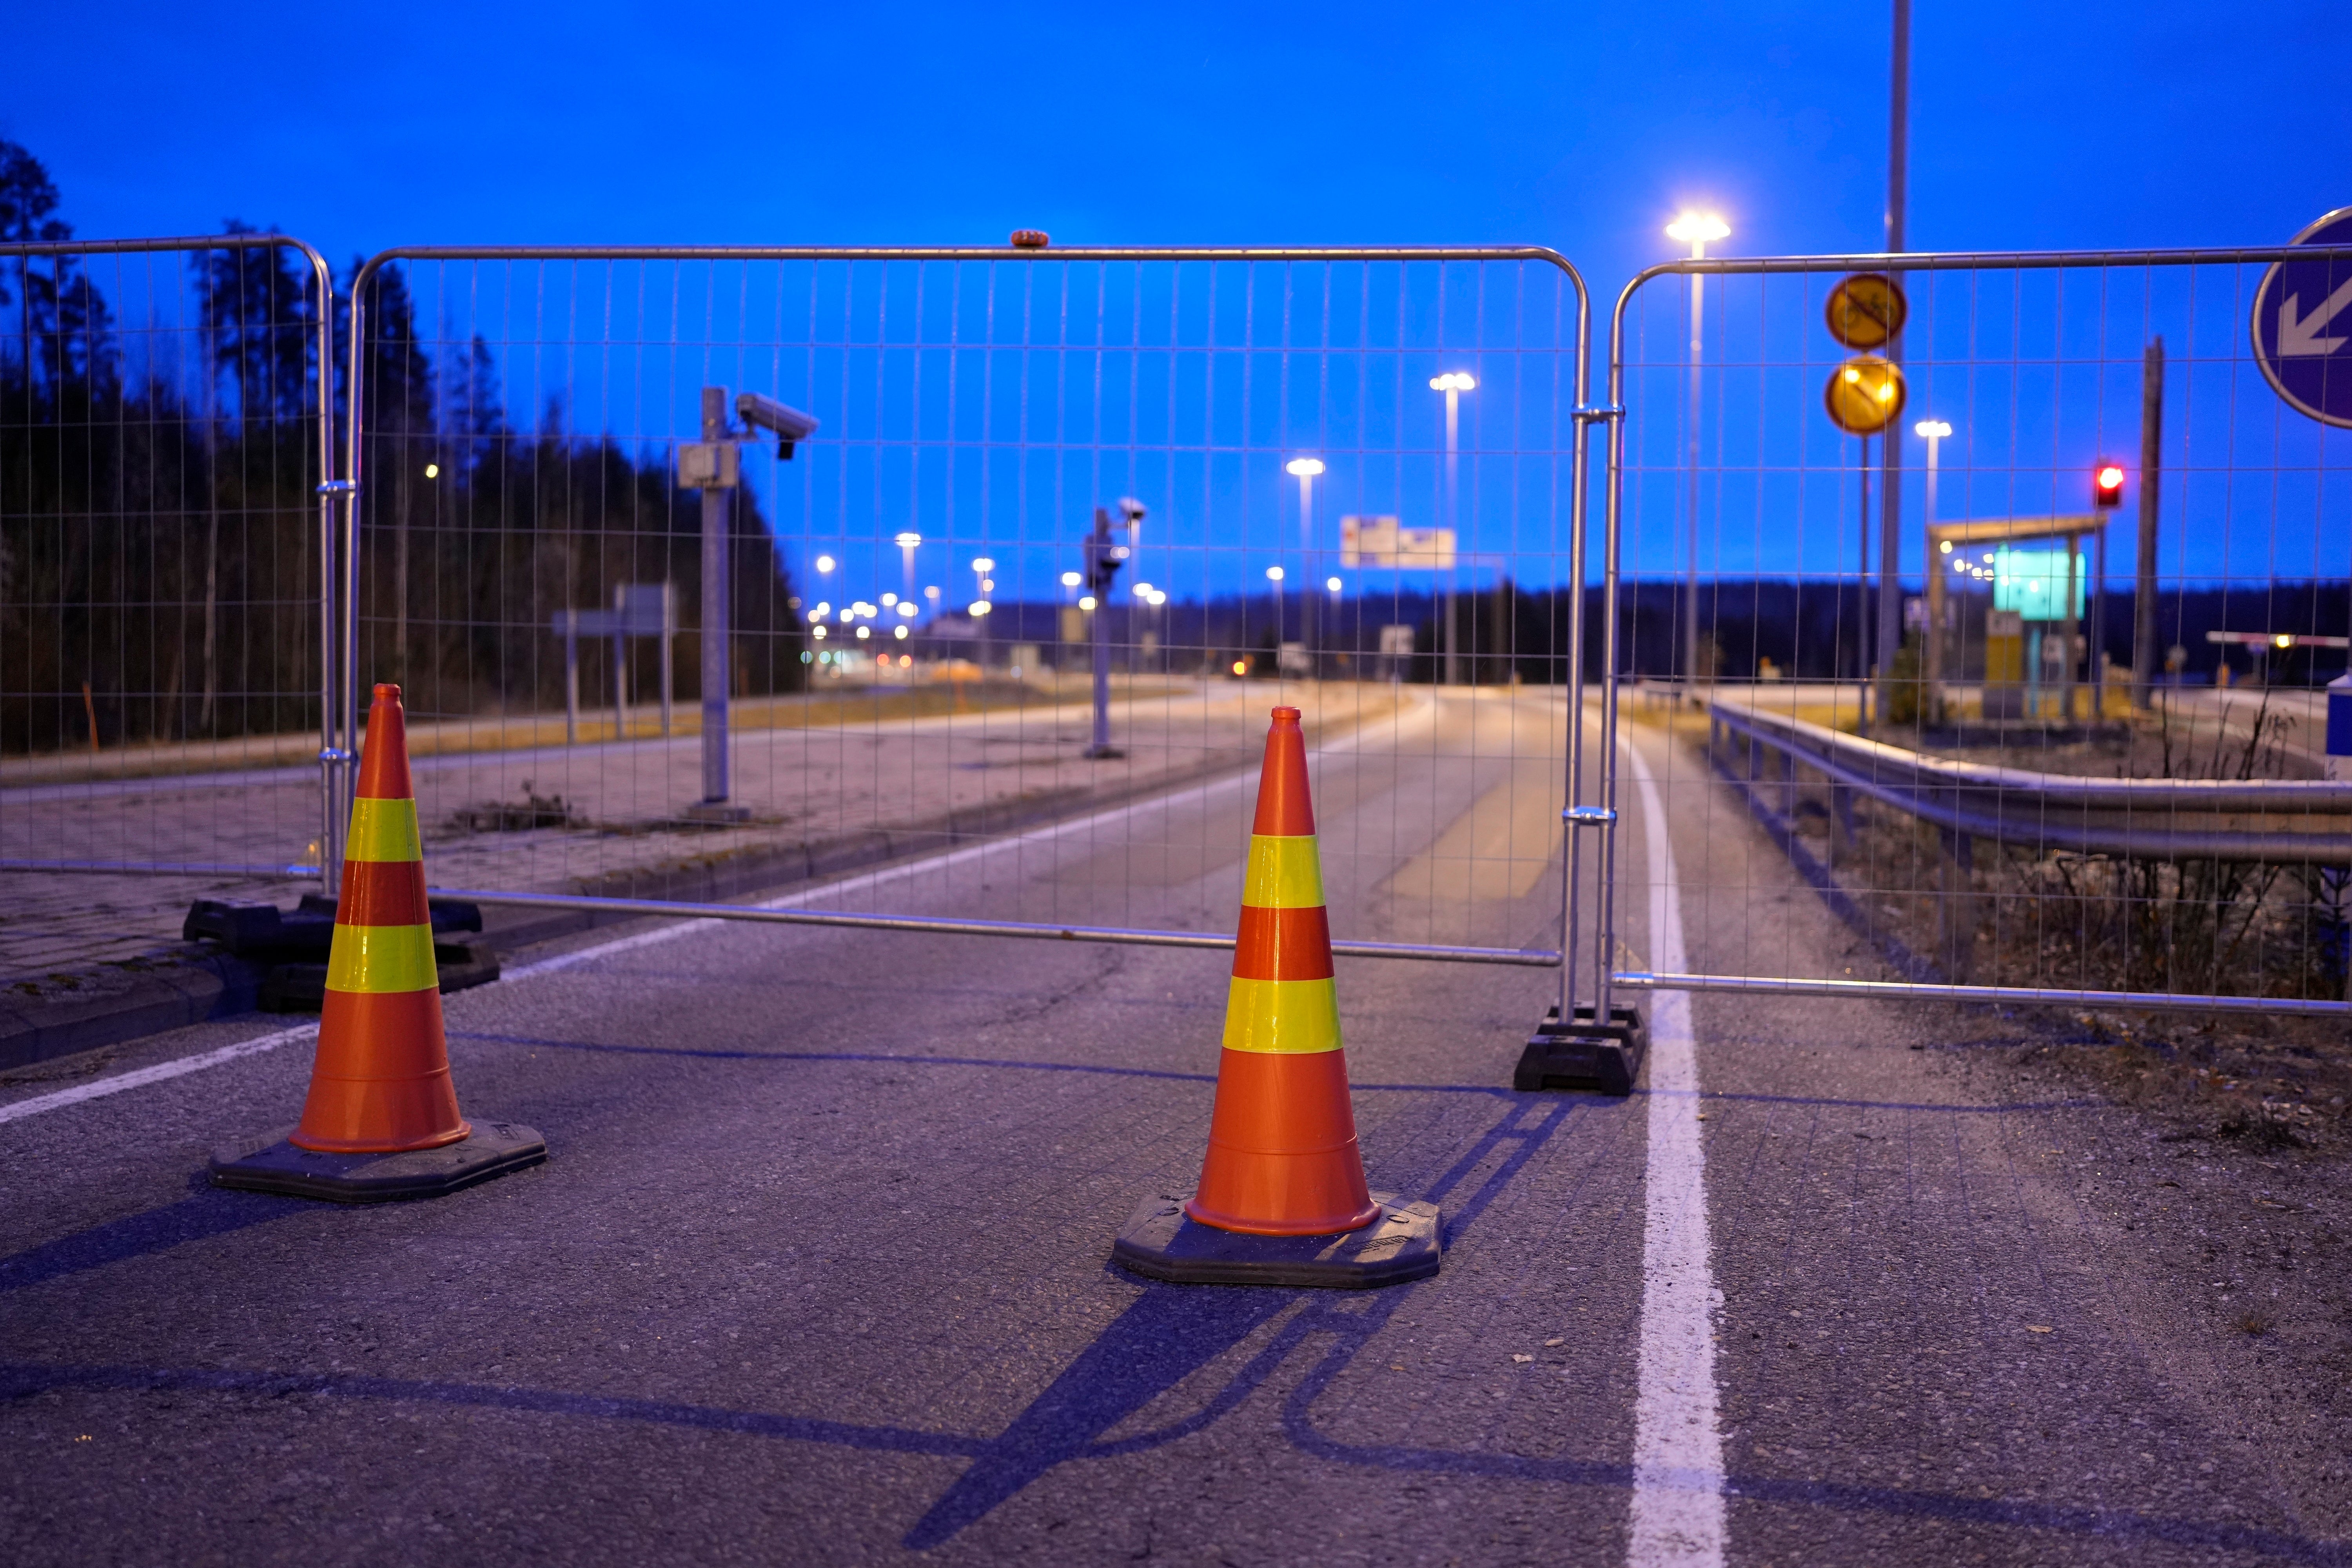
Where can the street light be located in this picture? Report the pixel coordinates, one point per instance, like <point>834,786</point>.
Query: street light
<point>1304,469</point>
<point>981,565</point>
<point>1694,229</point>
<point>1453,384</point>
<point>824,565</point>
<point>1934,430</point>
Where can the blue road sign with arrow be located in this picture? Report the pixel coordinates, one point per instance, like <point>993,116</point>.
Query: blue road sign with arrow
<point>2302,324</point>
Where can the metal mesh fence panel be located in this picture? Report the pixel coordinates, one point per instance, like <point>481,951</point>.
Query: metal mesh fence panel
<point>1068,525</point>
<point>1999,598</point>
<point>164,412</point>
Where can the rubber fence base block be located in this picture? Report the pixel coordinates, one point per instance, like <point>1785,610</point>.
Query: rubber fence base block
<point>1584,1055</point>
<point>1160,1241</point>
<point>272,1165</point>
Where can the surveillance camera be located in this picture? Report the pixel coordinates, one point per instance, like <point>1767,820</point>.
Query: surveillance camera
<point>1131,509</point>
<point>787,424</point>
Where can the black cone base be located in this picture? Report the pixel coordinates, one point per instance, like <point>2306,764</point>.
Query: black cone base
<point>1160,1242</point>
<point>270,1164</point>
<point>1584,1055</point>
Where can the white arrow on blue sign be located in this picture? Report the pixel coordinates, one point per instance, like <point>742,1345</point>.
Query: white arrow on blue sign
<point>2302,324</point>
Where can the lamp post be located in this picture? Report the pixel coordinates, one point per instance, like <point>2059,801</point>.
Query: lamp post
<point>1694,229</point>
<point>1304,469</point>
<point>983,602</point>
<point>1274,575</point>
<point>1931,672</point>
<point>1453,384</point>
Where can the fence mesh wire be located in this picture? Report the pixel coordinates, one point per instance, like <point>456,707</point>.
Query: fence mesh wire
<point>1777,627</point>
<point>912,626</point>
<point>162,439</point>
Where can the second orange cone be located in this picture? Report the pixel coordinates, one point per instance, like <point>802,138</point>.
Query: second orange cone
<point>1282,1156</point>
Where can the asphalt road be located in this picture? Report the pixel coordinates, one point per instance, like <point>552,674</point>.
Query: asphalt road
<point>818,1271</point>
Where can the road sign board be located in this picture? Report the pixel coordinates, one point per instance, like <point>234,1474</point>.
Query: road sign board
<point>2303,325</point>
<point>1865,394</point>
<point>1380,541</point>
<point>1866,309</point>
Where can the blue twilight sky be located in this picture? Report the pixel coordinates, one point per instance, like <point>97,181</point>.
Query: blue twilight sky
<point>1584,129</point>
<point>1579,127</point>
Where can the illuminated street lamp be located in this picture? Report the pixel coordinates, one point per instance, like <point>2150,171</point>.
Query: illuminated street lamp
<point>1304,469</point>
<point>981,565</point>
<point>1934,430</point>
<point>1694,229</point>
<point>1453,384</point>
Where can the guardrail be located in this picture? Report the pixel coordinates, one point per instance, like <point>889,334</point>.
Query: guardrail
<point>2297,821</point>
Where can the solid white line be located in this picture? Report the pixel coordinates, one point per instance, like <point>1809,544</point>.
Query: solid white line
<point>1679,1512</point>
<point>100,1088</point>
<point>1422,714</point>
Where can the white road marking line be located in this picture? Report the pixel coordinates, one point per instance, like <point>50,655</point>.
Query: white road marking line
<point>1678,1511</point>
<point>99,1088</point>
<point>1423,714</point>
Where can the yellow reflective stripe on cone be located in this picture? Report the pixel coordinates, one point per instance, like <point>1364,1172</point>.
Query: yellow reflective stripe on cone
<point>382,958</point>
<point>384,830</point>
<point>1283,874</point>
<point>1281,1017</point>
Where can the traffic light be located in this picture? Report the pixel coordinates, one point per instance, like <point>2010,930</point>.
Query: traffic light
<point>2107,485</point>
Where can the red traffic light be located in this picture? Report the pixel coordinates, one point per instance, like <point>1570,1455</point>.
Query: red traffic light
<point>2107,486</point>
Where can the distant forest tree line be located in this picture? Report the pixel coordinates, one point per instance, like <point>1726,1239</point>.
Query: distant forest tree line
<point>159,564</point>
<point>159,549</point>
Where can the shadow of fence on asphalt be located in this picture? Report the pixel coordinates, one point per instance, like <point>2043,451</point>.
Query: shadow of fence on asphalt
<point>208,1211</point>
<point>1172,1331</point>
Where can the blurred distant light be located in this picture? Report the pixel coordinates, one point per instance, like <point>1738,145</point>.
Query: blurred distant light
<point>1698,226</point>
<point>818,632</point>
<point>983,564</point>
<point>432,470</point>
<point>899,632</point>
<point>1454,381</point>
<point>1274,573</point>
<point>1240,667</point>
<point>888,599</point>
<point>1934,429</point>
<point>1333,584</point>
<point>1086,602</point>
<point>907,608</point>
<point>1305,467</point>
<point>1158,598</point>
<point>907,541</point>
<point>1072,579</point>
<point>980,606</point>
<point>824,564</point>
<point>864,632</point>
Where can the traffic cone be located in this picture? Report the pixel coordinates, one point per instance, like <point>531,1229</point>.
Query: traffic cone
<point>1282,1140</point>
<point>1282,1198</point>
<point>380,1082</point>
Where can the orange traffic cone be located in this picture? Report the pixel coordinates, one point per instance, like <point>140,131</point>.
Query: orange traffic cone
<point>1282,1141</point>
<point>380,1083</point>
<point>1282,1198</point>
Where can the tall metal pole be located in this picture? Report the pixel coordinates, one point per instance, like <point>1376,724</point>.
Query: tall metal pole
<point>2151,454</point>
<point>1307,617</point>
<point>1890,449</point>
<point>1690,593</point>
<point>715,671</point>
<point>1454,524</point>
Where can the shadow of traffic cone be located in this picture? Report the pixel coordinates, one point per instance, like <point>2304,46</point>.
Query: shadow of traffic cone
<point>1282,1199</point>
<point>380,1083</point>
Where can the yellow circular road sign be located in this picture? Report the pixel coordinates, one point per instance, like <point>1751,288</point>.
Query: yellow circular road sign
<point>1865,394</point>
<point>1866,309</point>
